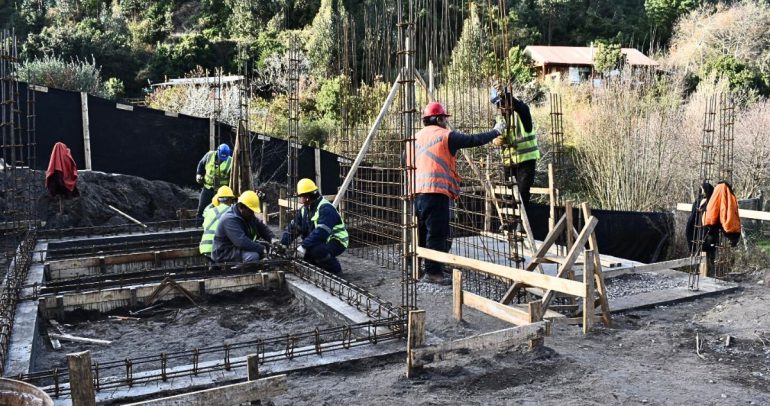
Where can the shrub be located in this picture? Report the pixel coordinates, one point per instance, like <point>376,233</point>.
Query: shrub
<point>76,75</point>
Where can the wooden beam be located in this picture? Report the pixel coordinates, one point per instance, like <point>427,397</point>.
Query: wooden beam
<point>520,275</point>
<point>535,315</point>
<point>742,213</point>
<point>495,309</point>
<point>457,294</point>
<point>226,395</point>
<point>81,379</point>
<point>588,299</point>
<point>76,339</point>
<point>415,337</point>
<point>492,341</point>
<point>659,266</point>
<point>551,197</point>
<point>86,129</point>
<point>572,257</point>
<point>601,287</point>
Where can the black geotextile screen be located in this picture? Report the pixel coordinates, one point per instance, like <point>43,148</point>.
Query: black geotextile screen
<point>637,236</point>
<point>58,120</point>
<point>146,142</point>
<point>330,172</point>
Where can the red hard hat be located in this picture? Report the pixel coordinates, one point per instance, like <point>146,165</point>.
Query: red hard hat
<point>434,109</point>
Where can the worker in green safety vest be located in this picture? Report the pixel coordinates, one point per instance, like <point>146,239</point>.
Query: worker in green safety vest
<point>211,214</point>
<point>519,145</point>
<point>324,235</point>
<point>213,171</point>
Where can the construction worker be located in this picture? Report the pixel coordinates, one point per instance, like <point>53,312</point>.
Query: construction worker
<point>519,146</point>
<point>213,171</point>
<point>238,230</point>
<point>219,204</point>
<point>437,182</point>
<point>324,235</point>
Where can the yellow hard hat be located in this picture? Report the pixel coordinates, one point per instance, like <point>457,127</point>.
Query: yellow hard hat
<point>225,191</point>
<point>306,185</point>
<point>215,201</point>
<point>251,200</point>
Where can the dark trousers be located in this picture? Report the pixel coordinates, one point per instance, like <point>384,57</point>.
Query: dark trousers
<point>524,173</point>
<point>325,256</point>
<point>432,211</point>
<point>205,199</point>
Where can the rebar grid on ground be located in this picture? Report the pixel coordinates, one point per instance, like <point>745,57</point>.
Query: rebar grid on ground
<point>162,367</point>
<point>108,230</point>
<point>11,290</point>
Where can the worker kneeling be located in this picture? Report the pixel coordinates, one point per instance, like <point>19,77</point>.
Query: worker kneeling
<point>324,235</point>
<point>234,240</point>
<point>211,215</point>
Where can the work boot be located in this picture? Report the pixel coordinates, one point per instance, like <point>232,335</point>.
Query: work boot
<point>436,279</point>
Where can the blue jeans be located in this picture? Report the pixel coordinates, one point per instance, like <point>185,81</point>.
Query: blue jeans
<point>432,211</point>
<point>325,256</point>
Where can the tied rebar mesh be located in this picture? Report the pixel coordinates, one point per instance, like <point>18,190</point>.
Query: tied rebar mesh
<point>294,145</point>
<point>716,165</point>
<point>20,185</point>
<point>485,219</point>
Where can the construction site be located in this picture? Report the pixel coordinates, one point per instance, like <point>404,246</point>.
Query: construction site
<point>105,298</point>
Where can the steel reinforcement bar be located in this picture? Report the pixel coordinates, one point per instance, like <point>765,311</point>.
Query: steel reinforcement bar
<point>11,289</point>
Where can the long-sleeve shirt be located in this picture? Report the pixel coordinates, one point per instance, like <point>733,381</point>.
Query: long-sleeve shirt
<point>458,140</point>
<point>328,217</point>
<point>525,116</point>
<point>201,170</point>
<point>235,232</point>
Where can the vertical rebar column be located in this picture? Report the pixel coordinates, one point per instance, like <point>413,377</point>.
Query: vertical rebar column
<point>409,268</point>
<point>725,142</point>
<point>706,173</point>
<point>245,177</point>
<point>293,124</point>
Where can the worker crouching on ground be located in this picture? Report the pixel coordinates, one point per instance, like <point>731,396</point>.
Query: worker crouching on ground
<point>234,240</point>
<point>436,180</point>
<point>324,235</point>
<point>211,214</point>
<point>213,171</point>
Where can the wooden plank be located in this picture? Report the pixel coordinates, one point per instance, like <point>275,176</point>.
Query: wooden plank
<point>572,257</point>
<point>457,294</point>
<point>659,266</point>
<point>226,395</point>
<point>415,337</point>
<point>551,197</point>
<point>601,287</point>
<point>212,134</point>
<point>76,339</point>
<point>492,341</point>
<point>588,299</point>
<point>86,129</point>
<point>81,379</point>
<point>535,315</point>
<point>252,366</point>
<point>495,309</point>
<point>742,213</point>
<point>520,275</point>
<point>570,224</point>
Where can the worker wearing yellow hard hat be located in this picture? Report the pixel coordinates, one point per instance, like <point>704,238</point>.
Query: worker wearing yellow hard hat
<point>319,224</point>
<point>222,200</point>
<point>239,227</point>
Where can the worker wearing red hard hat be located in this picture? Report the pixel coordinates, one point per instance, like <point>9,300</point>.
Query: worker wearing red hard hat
<point>436,180</point>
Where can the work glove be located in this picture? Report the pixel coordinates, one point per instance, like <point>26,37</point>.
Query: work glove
<point>499,127</point>
<point>275,241</point>
<point>499,141</point>
<point>199,179</point>
<point>301,252</point>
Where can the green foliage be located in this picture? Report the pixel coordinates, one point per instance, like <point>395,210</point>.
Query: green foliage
<point>329,97</point>
<point>607,57</point>
<point>519,67</point>
<point>75,75</point>
<point>154,23</point>
<point>242,23</point>
<point>741,76</point>
<point>322,37</point>
<point>662,14</point>
<point>114,88</point>
<point>467,53</point>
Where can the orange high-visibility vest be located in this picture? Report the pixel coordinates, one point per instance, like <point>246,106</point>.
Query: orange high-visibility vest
<point>435,166</point>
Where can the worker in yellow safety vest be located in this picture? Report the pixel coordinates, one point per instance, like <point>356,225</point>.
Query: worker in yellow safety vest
<point>213,171</point>
<point>211,214</point>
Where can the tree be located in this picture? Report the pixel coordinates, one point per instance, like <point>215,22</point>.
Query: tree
<point>322,37</point>
<point>519,66</point>
<point>469,54</point>
<point>664,13</point>
<point>76,75</point>
<point>607,57</point>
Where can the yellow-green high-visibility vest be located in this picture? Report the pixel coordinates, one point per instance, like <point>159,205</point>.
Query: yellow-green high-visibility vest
<point>210,221</point>
<point>523,148</point>
<point>339,232</point>
<point>222,176</point>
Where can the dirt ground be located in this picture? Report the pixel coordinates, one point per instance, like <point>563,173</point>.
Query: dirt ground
<point>646,357</point>
<point>179,325</point>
